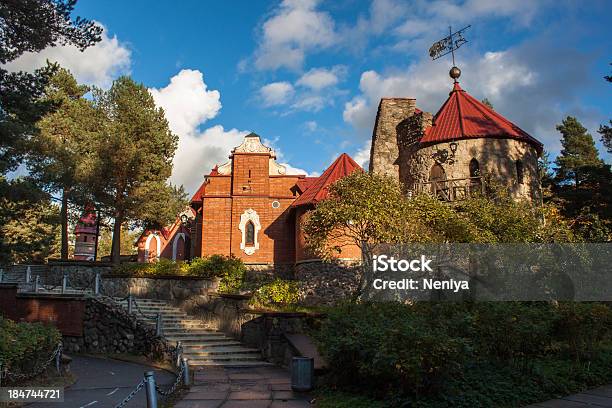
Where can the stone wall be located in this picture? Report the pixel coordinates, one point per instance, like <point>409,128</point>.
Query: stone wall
<point>171,288</point>
<point>496,158</point>
<point>385,152</point>
<point>223,312</point>
<point>267,333</point>
<point>108,328</point>
<point>326,283</point>
<point>81,274</point>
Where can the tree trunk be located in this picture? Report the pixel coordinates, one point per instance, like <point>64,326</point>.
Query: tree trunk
<point>116,246</point>
<point>64,216</point>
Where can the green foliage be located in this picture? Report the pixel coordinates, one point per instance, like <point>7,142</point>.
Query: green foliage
<point>133,159</point>
<point>578,151</point>
<point>386,347</point>
<point>466,354</point>
<point>29,223</point>
<point>230,269</point>
<point>23,346</point>
<point>279,292</point>
<point>583,326</point>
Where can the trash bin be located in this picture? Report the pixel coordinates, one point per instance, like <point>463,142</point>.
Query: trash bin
<point>302,373</point>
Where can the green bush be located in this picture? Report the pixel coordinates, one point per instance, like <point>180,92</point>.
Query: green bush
<point>583,326</point>
<point>279,292</point>
<point>401,352</point>
<point>229,268</point>
<point>387,349</point>
<point>24,346</point>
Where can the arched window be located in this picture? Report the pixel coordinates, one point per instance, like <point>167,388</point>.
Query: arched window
<point>249,233</point>
<point>519,171</point>
<point>474,168</point>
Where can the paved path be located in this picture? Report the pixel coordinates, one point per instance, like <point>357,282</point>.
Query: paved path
<point>599,397</point>
<point>103,383</point>
<point>262,387</point>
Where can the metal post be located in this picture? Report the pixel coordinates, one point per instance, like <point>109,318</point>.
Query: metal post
<point>129,300</point>
<point>1,275</point>
<point>150,387</point>
<point>36,283</point>
<point>64,283</point>
<point>179,353</point>
<point>158,325</point>
<point>28,275</point>
<point>97,284</point>
<point>1,372</point>
<point>58,361</point>
<point>186,379</point>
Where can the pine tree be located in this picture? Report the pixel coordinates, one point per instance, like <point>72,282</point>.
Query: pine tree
<point>606,130</point>
<point>578,153</point>
<point>133,159</point>
<point>63,140</point>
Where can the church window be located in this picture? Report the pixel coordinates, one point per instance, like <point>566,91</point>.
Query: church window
<point>250,233</point>
<point>474,168</point>
<point>275,204</point>
<point>249,173</point>
<point>84,238</point>
<point>519,172</point>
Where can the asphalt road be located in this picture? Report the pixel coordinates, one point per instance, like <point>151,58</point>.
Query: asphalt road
<point>103,383</point>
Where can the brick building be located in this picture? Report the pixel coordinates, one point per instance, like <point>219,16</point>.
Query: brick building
<point>248,207</point>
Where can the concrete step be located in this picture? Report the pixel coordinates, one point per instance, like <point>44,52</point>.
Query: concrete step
<point>222,357</point>
<point>187,338</point>
<point>171,331</point>
<point>214,351</point>
<point>232,364</point>
<point>189,347</point>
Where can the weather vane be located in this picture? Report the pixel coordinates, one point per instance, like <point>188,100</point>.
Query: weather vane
<point>448,45</point>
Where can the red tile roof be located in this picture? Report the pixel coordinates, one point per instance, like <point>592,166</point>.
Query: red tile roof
<point>464,117</point>
<point>318,188</point>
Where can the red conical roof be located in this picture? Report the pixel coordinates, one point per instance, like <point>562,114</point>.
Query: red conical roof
<point>464,117</point>
<point>318,188</point>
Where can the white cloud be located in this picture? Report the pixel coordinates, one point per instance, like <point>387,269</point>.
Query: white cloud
<point>362,156</point>
<point>518,82</point>
<point>311,125</point>
<point>188,104</point>
<point>186,101</point>
<point>294,28</point>
<point>97,65</point>
<point>276,93</point>
<point>309,103</point>
<point>319,78</point>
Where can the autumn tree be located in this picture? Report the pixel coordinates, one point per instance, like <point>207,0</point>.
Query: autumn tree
<point>63,140</point>
<point>133,160</point>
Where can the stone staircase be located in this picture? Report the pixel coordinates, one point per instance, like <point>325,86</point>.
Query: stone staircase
<point>202,346</point>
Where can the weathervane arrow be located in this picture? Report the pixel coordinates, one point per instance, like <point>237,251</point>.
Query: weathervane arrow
<point>449,44</point>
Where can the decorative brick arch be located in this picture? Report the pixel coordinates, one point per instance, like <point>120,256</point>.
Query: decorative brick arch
<point>252,216</point>
<point>148,243</point>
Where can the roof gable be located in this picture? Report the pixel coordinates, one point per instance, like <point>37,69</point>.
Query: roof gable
<point>317,189</point>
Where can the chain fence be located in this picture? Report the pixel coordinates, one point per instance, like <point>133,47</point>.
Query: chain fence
<point>10,376</point>
<point>132,394</point>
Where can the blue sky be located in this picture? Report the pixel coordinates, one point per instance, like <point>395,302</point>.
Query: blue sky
<point>307,75</point>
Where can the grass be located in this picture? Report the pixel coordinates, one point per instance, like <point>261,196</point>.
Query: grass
<point>493,385</point>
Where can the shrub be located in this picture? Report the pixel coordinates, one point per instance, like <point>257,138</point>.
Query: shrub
<point>387,349</point>
<point>275,293</point>
<point>24,346</point>
<point>232,272</point>
<point>582,326</point>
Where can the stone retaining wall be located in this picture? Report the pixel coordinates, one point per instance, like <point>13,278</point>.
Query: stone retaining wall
<point>267,333</point>
<point>226,313</point>
<point>108,328</point>
<point>172,288</point>
<point>326,283</point>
